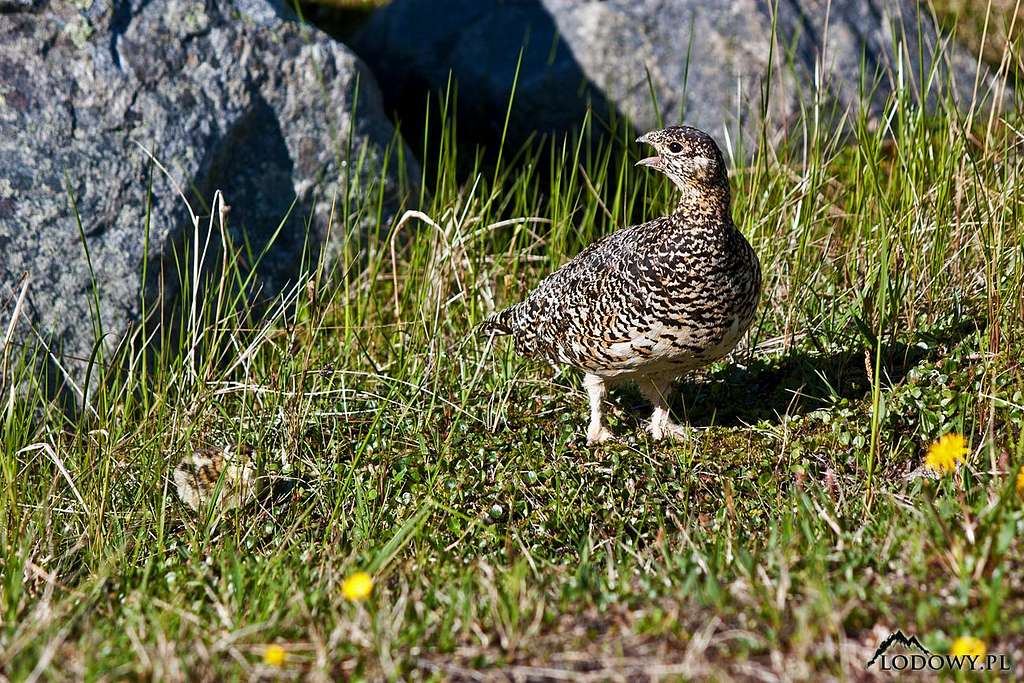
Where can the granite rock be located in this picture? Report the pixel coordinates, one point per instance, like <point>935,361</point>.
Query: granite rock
<point>708,64</point>
<point>232,96</point>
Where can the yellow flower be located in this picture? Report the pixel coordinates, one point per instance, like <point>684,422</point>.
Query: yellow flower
<point>967,646</point>
<point>1020,482</point>
<point>944,454</point>
<point>274,655</point>
<point>357,587</point>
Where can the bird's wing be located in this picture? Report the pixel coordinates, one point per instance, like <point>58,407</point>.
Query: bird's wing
<point>600,298</point>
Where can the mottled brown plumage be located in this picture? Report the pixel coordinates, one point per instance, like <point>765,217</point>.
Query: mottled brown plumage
<point>226,472</point>
<point>650,302</point>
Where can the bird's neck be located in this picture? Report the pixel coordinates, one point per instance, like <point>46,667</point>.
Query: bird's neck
<point>704,202</point>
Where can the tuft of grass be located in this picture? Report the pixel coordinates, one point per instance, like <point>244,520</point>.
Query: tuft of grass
<point>783,540</point>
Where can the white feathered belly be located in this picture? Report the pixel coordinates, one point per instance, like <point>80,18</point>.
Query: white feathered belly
<point>667,349</point>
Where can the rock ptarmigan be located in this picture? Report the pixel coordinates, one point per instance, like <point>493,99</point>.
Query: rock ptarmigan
<point>650,302</point>
<point>226,472</point>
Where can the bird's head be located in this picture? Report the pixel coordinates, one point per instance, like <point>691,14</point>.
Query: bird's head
<point>688,156</point>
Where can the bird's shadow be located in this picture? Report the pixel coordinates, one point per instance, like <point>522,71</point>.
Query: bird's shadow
<point>768,388</point>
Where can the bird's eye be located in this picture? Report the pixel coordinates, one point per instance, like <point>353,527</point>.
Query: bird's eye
<point>675,148</point>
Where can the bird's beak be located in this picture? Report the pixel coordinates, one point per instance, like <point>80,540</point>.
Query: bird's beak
<point>655,161</point>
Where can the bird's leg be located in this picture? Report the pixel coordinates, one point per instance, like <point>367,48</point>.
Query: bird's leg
<point>655,390</point>
<point>596,391</point>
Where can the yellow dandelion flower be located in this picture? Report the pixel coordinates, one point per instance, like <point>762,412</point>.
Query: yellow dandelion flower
<point>1020,482</point>
<point>357,587</point>
<point>967,646</point>
<point>944,454</point>
<point>274,655</point>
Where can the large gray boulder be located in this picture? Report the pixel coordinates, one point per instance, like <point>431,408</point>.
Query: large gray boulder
<point>233,96</point>
<point>707,62</point>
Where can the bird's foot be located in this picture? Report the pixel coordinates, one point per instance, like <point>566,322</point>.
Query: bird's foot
<point>664,429</point>
<point>599,435</point>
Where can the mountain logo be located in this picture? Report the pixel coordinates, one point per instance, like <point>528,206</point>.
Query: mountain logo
<point>897,637</point>
<point>926,660</point>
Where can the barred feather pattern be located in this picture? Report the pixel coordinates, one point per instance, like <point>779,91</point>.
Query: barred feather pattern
<point>206,472</point>
<point>656,299</point>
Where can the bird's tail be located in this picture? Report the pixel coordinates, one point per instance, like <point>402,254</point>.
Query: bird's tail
<point>497,324</point>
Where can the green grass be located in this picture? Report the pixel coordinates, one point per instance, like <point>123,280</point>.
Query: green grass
<point>784,540</point>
